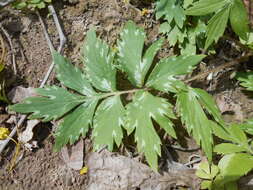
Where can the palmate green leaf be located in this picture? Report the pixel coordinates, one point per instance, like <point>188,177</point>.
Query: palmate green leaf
<point>197,123</point>
<point>75,123</point>
<point>163,76</point>
<point>246,80</point>
<point>239,19</point>
<point>170,10</point>
<point>140,113</point>
<point>233,166</point>
<point>216,26</point>
<point>98,60</point>
<point>54,103</point>
<point>71,76</point>
<point>130,53</point>
<point>204,7</point>
<point>107,123</point>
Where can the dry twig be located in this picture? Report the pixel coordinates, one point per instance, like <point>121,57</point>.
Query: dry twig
<point>220,68</point>
<point>12,48</point>
<point>3,53</point>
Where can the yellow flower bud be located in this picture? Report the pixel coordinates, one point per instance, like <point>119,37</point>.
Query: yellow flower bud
<point>84,170</point>
<point>144,12</point>
<point>4,133</point>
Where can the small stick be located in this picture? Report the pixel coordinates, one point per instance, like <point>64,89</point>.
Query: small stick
<point>58,27</point>
<point>219,68</point>
<point>51,47</point>
<point>62,43</point>
<point>13,132</point>
<point>3,50</point>
<point>179,148</point>
<point>197,160</point>
<point>61,36</point>
<point>5,2</point>
<point>12,48</point>
<point>49,42</point>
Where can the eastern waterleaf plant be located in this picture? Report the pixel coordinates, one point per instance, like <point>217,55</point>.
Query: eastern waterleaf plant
<point>94,100</point>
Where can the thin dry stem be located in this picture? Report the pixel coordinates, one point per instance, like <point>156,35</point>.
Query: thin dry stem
<point>221,67</point>
<point>12,48</point>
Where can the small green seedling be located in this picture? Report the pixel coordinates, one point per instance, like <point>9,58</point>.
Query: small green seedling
<point>30,4</point>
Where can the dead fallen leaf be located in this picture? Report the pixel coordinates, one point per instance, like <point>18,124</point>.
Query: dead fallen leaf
<point>109,171</point>
<point>12,119</point>
<point>31,145</point>
<point>74,160</point>
<point>226,104</point>
<point>27,135</point>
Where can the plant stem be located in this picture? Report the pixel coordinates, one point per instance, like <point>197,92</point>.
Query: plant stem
<point>219,68</point>
<point>117,93</point>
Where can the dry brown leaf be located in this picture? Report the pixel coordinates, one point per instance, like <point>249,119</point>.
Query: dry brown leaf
<point>226,104</point>
<point>27,134</point>
<point>109,171</point>
<point>74,160</point>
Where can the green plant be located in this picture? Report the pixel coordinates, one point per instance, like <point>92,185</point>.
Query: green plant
<point>207,173</point>
<point>179,29</point>
<point>30,4</point>
<point>236,161</point>
<point>236,151</point>
<point>100,104</point>
<point>209,21</point>
<point>224,10</point>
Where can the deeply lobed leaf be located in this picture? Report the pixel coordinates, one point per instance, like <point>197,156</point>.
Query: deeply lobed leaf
<point>53,103</point>
<point>207,101</point>
<point>71,76</point>
<point>130,53</point>
<point>170,10</point>
<point>98,60</point>
<point>79,112</point>
<point>75,124</point>
<point>140,113</point>
<point>107,123</point>
<point>163,76</point>
<point>197,123</point>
